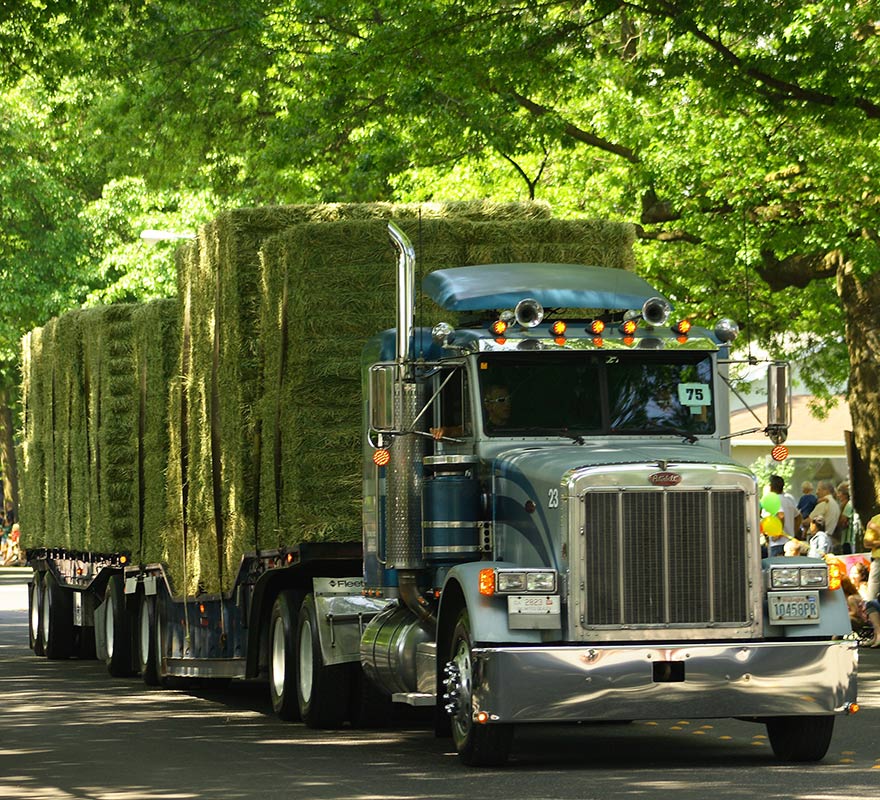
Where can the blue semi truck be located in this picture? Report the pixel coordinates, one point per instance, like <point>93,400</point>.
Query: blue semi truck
<point>553,531</point>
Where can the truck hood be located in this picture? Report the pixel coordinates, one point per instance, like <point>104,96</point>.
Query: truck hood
<point>559,460</point>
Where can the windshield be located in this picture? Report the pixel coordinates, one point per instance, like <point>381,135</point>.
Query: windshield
<point>594,393</point>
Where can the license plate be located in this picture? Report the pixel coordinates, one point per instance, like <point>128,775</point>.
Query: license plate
<point>793,607</point>
<point>533,604</point>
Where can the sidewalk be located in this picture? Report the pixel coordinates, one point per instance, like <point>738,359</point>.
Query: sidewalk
<point>13,588</point>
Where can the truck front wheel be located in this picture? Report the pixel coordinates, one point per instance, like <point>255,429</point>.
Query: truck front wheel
<point>478,745</point>
<point>800,738</point>
<point>282,656</point>
<point>323,690</point>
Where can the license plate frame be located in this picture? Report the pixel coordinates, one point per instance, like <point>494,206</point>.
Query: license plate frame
<point>534,604</point>
<point>782,608</point>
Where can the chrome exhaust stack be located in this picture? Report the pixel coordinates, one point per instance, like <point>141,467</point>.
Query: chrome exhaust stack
<point>405,478</point>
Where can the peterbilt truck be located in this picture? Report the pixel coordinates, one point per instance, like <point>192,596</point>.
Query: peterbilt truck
<point>553,531</point>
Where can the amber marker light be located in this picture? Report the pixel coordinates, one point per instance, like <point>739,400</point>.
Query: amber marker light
<point>836,571</point>
<point>596,327</point>
<point>487,582</point>
<point>682,327</point>
<point>482,717</point>
<point>779,453</point>
<point>123,559</point>
<point>498,327</point>
<point>381,457</point>
<point>558,328</point>
<point>629,327</point>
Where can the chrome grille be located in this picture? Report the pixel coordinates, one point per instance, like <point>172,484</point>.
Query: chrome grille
<point>674,557</point>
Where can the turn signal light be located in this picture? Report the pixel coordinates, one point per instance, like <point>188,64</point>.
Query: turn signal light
<point>381,457</point>
<point>499,327</point>
<point>558,328</point>
<point>682,326</point>
<point>487,582</point>
<point>597,327</point>
<point>629,327</point>
<point>836,571</point>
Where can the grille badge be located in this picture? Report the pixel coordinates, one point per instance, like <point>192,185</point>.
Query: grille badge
<point>665,478</point>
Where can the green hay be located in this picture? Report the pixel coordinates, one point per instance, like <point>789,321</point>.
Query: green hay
<point>339,285</point>
<point>156,327</point>
<point>224,288</point>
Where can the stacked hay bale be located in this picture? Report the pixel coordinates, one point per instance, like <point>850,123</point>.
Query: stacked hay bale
<point>333,286</point>
<point>195,430</point>
<point>79,456</point>
<point>32,462</point>
<point>222,289</point>
<point>156,327</point>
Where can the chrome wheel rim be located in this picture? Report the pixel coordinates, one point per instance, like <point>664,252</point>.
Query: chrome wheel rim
<point>278,661</point>
<point>145,632</point>
<point>35,611</point>
<point>108,626</point>
<point>461,717</point>
<point>305,661</point>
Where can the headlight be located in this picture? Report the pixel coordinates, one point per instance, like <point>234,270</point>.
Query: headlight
<point>510,582</point>
<point>785,578</point>
<point>520,581</point>
<point>799,577</point>
<point>541,581</point>
<point>814,577</point>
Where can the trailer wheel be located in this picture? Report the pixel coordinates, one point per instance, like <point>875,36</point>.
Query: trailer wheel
<point>147,641</point>
<point>282,656</point>
<point>56,619</point>
<point>35,603</point>
<point>478,745</point>
<point>800,738</point>
<point>117,629</point>
<point>323,691</point>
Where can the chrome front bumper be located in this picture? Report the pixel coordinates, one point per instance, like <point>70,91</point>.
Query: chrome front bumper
<point>567,684</point>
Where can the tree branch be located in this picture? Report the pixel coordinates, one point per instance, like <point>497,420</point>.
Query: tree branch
<point>788,89</point>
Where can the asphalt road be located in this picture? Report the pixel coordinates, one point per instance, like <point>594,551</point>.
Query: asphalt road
<point>68,730</point>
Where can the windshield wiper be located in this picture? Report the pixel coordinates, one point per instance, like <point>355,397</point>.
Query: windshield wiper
<point>577,438</point>
<point>662,429</point>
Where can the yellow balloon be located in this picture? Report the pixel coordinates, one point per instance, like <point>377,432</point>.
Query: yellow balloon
<point>771,526</point>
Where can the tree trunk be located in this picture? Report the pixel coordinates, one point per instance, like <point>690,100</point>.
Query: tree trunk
<point>8,461</point>
<point>861,303</point>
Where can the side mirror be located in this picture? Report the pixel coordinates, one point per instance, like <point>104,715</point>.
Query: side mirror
<point>778,401</point>
<point>383,379</point>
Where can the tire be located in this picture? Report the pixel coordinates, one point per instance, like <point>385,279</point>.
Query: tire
<point>800,738</point>
<point>477,745</point>
<point>56,619</point>
<point>323,691</point>
<point>35,606</point>
<point>147,641</point>
<point>282,656</point>
<point>117,629</point>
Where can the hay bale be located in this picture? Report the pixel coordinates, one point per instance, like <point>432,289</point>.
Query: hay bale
<point>156,330</point>
<point>31,452</point>
<point>332,287</point>
<point>224,288</point>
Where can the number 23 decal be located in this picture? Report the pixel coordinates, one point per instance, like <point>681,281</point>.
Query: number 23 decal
<point>553,498</point>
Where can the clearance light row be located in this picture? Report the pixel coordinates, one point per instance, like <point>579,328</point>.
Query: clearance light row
<point>596,327</point>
